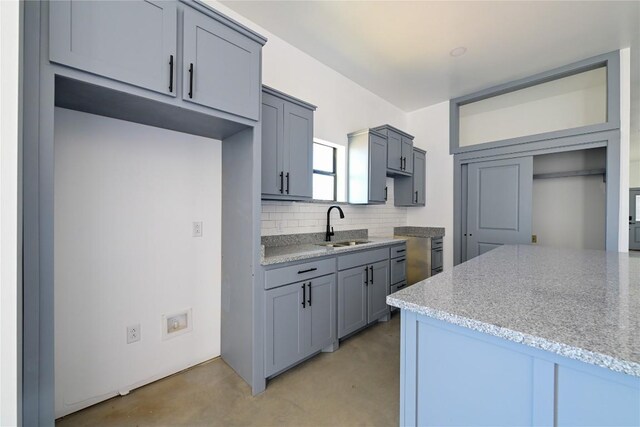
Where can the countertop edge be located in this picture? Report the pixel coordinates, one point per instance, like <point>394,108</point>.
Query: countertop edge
<point>282,259</point>
<point>576,353</point>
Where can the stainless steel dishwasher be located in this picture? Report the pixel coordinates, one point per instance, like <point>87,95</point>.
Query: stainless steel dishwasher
<point>424,257</point>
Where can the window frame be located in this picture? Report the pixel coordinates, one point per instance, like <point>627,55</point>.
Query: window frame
<point>334,174</point>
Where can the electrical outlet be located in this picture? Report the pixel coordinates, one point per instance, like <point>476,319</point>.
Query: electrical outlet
<point>133,333</point>
<point>197,229</point>
<point>534,238</point>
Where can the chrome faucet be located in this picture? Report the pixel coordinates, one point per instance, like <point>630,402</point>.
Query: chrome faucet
<point>329,227</point>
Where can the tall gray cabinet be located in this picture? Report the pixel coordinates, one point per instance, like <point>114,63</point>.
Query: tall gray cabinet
<point>411,190</point>
<point>367,167</point>
<point>287,146</point>
<point>129,61</point>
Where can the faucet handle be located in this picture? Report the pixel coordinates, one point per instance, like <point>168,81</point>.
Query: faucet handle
<point>332,233</point>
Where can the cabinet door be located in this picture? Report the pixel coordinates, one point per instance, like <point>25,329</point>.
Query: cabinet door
<point>321,325</point>
<point>378,290</point>
<point>298,143</point>
<point>130,41</point>
<point>285,338</point>
<point>221,67</point>
<point>272,144</point>
<point>419,173</point>
<point>407,154</point>
<point>352,300</point>
<point>394,151</point>
<point>377,169</point>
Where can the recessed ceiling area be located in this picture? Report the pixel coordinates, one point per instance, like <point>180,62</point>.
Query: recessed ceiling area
<point>405,51</point>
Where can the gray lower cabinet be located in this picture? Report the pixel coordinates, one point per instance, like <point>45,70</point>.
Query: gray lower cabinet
<point>287,146</point>
<point>411,190</point>
<point>362,293</point>
<point>133,42</point>
<point>367,167</point>
<point>221,67</point>
<point>300,321</point>
<point>399,150</point>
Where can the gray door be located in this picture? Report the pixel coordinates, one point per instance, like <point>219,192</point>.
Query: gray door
<point>634,219</point>
<point>394,150</point>
<point>321,326</point>
<point>377,168</point>
<point>377,291</point>
<point>352,300</point>
<point>407,154</point>
<point>272,144</point>
<point>129,41</point>
<point>285,338</point>
<point>298,144</point>
<point>221,67</point>
<point>499,204</point>
<point>419,179</point>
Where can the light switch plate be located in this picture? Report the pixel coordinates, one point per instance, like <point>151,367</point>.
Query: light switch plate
<point>197,229</point>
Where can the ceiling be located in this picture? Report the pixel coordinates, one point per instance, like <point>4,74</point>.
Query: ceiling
<point>400,50</point>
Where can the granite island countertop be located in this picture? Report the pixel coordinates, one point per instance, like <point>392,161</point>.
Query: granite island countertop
<point>581,304</point>
<point>296,252</point>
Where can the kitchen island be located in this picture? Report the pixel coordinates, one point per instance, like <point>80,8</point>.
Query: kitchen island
<point>523,335</point>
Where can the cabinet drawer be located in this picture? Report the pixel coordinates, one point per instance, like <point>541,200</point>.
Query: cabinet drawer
<point>436,243</point>
<point>362,258</point>
<point>298,272</point>
<point>398,270</point>
<point>436,258</point>
<point>399,251</point>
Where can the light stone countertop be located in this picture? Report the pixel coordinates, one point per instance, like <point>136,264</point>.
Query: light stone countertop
<point>296,252</point>
<point>581,304</point>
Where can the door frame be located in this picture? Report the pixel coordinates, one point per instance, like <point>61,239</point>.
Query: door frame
<point>609,139</point>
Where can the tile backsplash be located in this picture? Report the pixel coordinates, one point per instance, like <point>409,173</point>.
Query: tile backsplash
<point>300,217</point>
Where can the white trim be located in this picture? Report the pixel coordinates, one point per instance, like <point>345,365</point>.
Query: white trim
<point>10,60</point>
<point>625,128</point>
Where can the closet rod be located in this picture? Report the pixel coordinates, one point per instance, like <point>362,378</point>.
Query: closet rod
<point>586,172</point>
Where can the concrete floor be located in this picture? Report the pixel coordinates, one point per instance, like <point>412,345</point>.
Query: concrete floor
<point>358,385</point>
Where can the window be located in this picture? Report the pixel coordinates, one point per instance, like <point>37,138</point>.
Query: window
<point>324,172</point>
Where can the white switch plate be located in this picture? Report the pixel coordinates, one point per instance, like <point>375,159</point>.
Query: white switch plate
<point>197,228</point>
<point>133,333</point>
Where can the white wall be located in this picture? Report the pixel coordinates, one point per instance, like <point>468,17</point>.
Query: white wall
<point>431,128</point>
<point>570,212</point>
<point>295,217</point>
<point>566,103</point>
<point>126,197</point>
<point>634,174</point>
<point>343,107</point>
<point>10,363</point>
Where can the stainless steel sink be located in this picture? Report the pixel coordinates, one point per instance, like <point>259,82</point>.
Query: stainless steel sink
<point>344,244</point>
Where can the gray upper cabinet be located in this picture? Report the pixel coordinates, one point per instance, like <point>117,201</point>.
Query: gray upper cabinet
<point>221,67</point>
<point>133,42</point>
<point>399,150</point>
<point>272,144</point>
<point>287,146</point>
<point>300,321</point>
<point>411,190</point>
<point>367,167</point>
